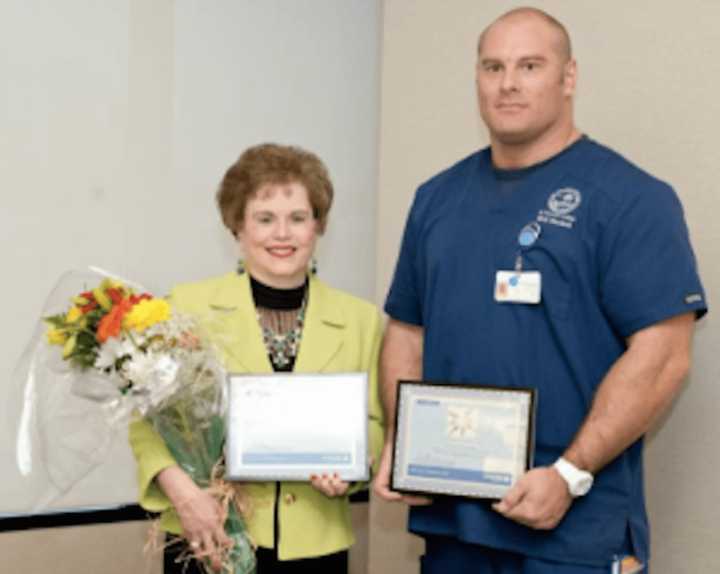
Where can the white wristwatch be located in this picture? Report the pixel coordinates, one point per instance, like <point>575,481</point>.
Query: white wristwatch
<point>579,482</point>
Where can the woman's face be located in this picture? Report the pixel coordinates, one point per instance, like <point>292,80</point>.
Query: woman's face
<point>278,235</point>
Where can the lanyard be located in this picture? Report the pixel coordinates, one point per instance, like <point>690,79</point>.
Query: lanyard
<point>526,238</point>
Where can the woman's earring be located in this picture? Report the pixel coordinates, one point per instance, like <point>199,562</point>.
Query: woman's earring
<point>240,267</point>
<point>313,266</point>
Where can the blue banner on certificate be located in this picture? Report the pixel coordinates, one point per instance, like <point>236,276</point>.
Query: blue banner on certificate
<point>289,426</point>
<point>461,440</point>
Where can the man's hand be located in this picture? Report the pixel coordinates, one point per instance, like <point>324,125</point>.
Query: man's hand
<point>538,500</point>
<point>381,484</point>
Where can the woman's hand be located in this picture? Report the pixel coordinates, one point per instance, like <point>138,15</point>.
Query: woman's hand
<point>329,484</point>
<point>201,515</point>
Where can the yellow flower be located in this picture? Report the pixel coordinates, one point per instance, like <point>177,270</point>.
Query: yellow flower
<point>109,283</point>
<point>69,346</point>
<point>73,315</point>
<point>103,300</point>
<point>146,313</point>
<point>56,336</point>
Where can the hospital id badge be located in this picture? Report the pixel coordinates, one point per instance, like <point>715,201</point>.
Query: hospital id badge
<point>518,287</point>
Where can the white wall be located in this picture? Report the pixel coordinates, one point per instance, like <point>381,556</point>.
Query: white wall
<point>65,151</point>
<point>118,120</point>
<point>295,72</point>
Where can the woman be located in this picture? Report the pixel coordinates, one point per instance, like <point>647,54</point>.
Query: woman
<point>275,316</point>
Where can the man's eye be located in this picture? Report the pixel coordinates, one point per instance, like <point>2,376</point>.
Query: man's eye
<point>529,66</point>
<point>264,218</point>
<point>492,68</point>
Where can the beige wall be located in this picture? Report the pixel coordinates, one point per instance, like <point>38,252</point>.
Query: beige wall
<point>120,548</point>
<point>649,88</point>
<point>106,549</point>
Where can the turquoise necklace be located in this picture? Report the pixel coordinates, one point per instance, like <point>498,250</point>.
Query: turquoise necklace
<point>283,347</point>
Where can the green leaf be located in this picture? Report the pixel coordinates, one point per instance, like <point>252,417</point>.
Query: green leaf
<point>57,321</point>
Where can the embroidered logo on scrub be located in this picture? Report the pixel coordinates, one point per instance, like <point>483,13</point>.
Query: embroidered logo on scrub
<point>561,203</point>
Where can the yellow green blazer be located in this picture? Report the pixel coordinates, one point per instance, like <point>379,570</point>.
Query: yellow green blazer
<point>341,333</point>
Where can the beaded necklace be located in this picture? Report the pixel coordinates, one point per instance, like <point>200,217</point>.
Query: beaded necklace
<point>281,316</point>
<point>283,347</point>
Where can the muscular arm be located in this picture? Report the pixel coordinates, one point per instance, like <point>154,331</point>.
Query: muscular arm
<point>634,394</point>
<point>400,358</point>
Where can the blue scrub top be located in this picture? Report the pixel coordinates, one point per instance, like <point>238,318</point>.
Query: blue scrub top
<point>614,256</point>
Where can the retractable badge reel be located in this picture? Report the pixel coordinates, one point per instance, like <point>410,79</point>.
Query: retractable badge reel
<point>520,286</point>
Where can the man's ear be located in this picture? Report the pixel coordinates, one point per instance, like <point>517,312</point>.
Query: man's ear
<point>570,74</point>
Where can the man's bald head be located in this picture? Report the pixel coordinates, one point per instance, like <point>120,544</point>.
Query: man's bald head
<point>562,45</point>
<point>525,79</point>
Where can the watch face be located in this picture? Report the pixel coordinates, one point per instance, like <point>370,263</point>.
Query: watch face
<point>582,486</point>
<point>579,481</point>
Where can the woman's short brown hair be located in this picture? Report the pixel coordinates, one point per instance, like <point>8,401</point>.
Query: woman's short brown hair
<point>273,164</point>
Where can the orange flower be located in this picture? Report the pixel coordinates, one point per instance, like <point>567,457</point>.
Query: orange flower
<point>86,302</point>
<point>89,307</point>
<point>111,324</point>
<point>115,294</point>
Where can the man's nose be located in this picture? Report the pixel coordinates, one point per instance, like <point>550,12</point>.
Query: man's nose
<point>509,81</point>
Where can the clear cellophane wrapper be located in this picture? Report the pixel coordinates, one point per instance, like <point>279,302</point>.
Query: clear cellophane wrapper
<point>104,352</point>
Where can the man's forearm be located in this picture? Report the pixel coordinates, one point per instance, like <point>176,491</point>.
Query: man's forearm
<point>400,358</point>
<point>638,388</point>
<point>635,393</point>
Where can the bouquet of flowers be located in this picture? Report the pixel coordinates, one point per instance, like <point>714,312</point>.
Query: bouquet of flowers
<point>129,353</point>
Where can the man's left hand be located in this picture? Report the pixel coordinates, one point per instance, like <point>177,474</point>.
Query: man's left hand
<point>538,500</point>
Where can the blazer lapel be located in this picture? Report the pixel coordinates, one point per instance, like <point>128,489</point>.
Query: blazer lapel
<point>323,331</point>
<point>235,327</point>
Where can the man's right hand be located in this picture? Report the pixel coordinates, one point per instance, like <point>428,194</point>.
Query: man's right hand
<point>381,484</point>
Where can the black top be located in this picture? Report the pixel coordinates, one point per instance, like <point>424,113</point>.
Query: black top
<point>273,298</point>
<point>279,308</point>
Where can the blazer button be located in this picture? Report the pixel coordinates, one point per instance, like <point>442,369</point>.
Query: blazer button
<point>290,498</point>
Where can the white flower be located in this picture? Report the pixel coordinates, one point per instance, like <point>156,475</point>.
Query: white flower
<point>111,350</point>
<point>140,339</point>
<point>153,374</point>
<point>139,369</point>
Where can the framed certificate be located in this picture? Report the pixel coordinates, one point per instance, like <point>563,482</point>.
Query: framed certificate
<point>288,426</point>
<point>461,440</point>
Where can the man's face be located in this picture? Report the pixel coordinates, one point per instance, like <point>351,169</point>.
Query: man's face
<point>524,80</point>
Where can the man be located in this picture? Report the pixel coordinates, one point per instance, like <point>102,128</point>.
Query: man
<point>607,346</point>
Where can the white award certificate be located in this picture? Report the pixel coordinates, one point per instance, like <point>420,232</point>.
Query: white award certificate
<point>288,426</point>
<point>461,440</point>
